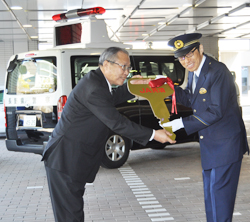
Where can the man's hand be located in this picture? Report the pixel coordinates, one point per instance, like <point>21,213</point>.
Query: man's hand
<point>139,81</point>
<point>176,124</point>
<point>137,77</point>
<point>162,136</point>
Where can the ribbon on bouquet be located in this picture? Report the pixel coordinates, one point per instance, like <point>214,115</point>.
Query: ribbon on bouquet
<point>159,82</point>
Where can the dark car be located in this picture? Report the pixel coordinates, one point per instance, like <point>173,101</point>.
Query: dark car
<point>117,147</point>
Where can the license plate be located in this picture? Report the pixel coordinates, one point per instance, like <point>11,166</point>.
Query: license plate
<point>29,120</point>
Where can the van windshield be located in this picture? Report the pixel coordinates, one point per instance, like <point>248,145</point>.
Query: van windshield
<point>33,76</point>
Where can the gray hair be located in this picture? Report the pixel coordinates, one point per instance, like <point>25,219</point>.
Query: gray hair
<point>111,54</point>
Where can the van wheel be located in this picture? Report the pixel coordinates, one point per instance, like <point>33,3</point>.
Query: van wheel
<point>116,151</point>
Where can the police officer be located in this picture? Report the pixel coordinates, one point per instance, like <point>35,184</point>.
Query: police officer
<point>211,94</point>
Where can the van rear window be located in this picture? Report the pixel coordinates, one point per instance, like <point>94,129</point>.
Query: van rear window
<point>33,76</point>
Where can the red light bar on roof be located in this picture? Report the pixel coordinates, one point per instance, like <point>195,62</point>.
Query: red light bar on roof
<point>30,55</point>
<point>78,13</point>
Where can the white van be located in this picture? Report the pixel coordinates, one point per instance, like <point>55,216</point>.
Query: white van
<point>2,115</point>
<point>38,83</point>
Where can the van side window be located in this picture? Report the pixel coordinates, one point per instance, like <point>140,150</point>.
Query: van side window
<point>149,69</point>
<point>33,76</point>
<point>150,66</point>
<point>81,65</point>
<point>1,96</point>
<point>147,66</point>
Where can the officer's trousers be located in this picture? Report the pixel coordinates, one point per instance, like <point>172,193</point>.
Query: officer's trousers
<point>220,187</point>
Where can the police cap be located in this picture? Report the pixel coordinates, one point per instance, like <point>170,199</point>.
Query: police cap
<point>183,44</point>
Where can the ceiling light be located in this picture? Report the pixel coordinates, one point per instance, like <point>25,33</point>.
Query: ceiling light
<point>187,5</point>
<point>226,30</point>
<point>199,2</point>
<point>238,8</point>
<point>202,25</point>
<point>162,26</point>
<point>144,34</point>
<point>146,37</point>
<point>153,32</point>
<point>215,19</point>
<point>27,26</point>
<point>161,45</point>
<point>185,11</point>
<point>172,19</point>
<point>137,45</point>
<point>16,7</point>
<point>161,23</point>
<point>34,37</point>
<point>242,24</point>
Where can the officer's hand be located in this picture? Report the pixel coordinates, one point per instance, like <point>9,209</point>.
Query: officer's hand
<point>176,124</point>
<point>162,136</point>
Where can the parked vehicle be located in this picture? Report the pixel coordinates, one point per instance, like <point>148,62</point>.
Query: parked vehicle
<point>2,115</point>
<point>39,82</point>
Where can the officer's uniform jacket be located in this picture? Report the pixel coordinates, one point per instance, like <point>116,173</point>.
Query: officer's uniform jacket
<point>216,115</point>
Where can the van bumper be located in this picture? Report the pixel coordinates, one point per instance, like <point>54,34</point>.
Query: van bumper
<point>12,145</point>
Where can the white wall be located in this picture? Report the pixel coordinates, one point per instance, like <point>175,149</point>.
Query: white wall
<point>210,46</point>
<point>232,60</point>
<point>236,54</point>
<point>8,48</point>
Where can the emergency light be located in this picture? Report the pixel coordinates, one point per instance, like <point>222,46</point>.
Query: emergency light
<point>78,13</point>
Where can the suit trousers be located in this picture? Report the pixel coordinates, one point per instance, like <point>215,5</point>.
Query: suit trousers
<point>220,187</point>
<point>66,196</point>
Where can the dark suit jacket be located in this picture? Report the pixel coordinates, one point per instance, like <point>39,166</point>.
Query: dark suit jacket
<point>77,143</point>
<point>216,115</point>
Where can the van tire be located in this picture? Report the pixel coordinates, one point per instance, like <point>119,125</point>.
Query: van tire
<point>116,151</point>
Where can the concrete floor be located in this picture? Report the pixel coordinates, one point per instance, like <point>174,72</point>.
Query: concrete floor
<point>154,185</point>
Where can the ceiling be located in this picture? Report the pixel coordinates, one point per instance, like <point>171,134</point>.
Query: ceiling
<point>131,20</point>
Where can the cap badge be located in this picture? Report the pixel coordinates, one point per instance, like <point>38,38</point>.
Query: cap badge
<point>202,91</point>
<point>178,44</point>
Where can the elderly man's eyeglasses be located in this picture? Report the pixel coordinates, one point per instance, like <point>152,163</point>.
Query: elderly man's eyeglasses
<point>124,67</point>
<point>190,54</point>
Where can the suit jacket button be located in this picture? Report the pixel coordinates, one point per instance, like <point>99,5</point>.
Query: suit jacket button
<point>204,100</point>
<point>194,110</point>
<point>201,137</point>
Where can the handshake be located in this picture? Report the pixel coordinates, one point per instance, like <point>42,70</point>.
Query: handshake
<point>176,124</point>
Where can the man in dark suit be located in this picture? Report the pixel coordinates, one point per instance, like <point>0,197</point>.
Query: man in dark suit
<point>73,154</point>
<point>211,94</point>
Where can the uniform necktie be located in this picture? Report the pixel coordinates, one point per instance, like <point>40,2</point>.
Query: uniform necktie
<point>195,79</point>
